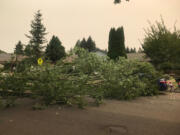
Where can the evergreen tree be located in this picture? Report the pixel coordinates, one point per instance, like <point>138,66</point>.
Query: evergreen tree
<point>37,35</point>
<point>28,50</point>
<point>116,46</point>
<point>78,43</point>
<point>19,49</point>
<point>127,50</point>
<point>55,50</point>
<point>83,43</point>
<point>89,45</point>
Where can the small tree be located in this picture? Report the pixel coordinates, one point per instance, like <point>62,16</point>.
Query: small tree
<point>19,49</point>
<point>116,46</point>
<point>55,50</point>
<point>37,35</point>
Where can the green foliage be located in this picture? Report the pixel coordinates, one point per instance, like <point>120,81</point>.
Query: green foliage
<point>125,80</point>
<point>19,49</point>
<point>88,76</point>
<point>13,82</point>
<point>8,65</point>
<point>37,35</point>
<point>28,50</point>
<point>162,46</point>
<point>89,45</point>
<point>25,64</point>
<point>55,51</point>
<point>122,79</point>
<point>116,46</point>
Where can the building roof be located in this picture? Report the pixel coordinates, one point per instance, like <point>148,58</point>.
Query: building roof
<point>138,56</point>
<point>4,57</point>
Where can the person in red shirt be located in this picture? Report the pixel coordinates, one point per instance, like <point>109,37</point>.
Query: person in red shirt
<point>171,86</point>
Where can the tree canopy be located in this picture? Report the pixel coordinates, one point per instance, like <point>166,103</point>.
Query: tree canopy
<point>162,46</point>
<point>37,35</point>
<point>55,50</point>
<point>116,46</point>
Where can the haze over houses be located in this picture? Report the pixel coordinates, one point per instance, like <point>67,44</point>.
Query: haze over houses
<point>5,57</point>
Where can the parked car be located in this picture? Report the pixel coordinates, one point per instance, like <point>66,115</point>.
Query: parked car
<point>162,84</point>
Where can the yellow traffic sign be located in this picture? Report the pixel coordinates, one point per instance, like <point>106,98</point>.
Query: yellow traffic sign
<point>40,61</point>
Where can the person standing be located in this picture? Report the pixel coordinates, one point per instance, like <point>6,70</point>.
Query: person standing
<point>171,86</point>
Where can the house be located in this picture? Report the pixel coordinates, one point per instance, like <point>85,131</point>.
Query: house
<point>5,57</point>
<point>131,56</point>
<point>100,53</point>
<point>138,56</point>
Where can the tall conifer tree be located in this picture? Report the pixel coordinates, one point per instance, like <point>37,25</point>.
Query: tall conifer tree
<point>55,50</point>
<point>116,46</point>
<point>37,35</point>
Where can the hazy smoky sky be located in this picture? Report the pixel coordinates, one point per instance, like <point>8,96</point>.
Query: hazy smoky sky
<point>71,20</point>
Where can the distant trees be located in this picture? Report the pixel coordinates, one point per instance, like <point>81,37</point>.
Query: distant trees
<point>130,50</point>
<point>118,1</point>
<point>88,44</point>
<point>116,45</point>
<point>19,49</point>
<point>55,50</point>
<point>162,46</point>
<point>37,35</point>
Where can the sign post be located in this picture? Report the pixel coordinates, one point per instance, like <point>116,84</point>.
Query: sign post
<point>40,61</point>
